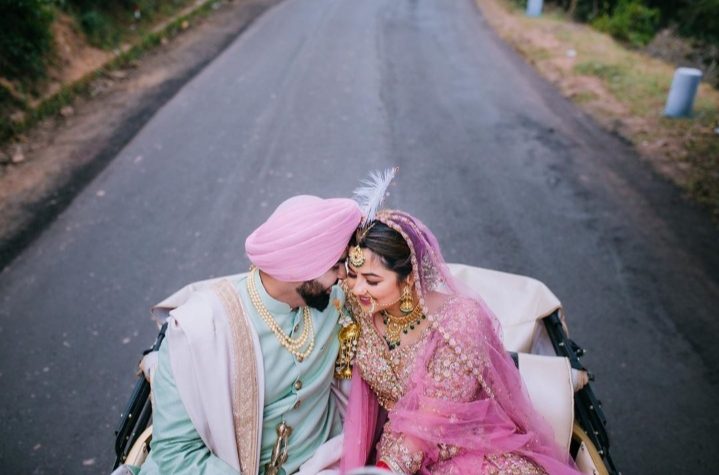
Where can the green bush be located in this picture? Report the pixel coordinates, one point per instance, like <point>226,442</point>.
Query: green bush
<point>590,10</point>
<point>106,22</point>
<point>635,21</point>
<point>630,21</point>
<point>25,38</point>
<point>98,28</point>
<point>700,19</point>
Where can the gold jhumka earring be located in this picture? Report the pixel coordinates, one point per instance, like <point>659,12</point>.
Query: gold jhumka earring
<point>406,304</point>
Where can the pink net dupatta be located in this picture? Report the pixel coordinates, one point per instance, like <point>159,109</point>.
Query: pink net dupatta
<point>498,419</point>
<point>360,424</point>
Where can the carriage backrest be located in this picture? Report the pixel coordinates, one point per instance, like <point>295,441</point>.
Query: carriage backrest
<point>518,302</point>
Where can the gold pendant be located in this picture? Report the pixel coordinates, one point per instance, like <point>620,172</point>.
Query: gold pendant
<point>393,331</point>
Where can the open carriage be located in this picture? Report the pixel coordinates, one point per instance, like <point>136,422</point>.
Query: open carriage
<point>534,332</point>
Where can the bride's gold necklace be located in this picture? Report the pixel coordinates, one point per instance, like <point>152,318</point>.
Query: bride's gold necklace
<point>396,326</point>
<point>293,345</point>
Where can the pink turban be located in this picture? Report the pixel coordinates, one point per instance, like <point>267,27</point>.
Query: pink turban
<point>304,237</point>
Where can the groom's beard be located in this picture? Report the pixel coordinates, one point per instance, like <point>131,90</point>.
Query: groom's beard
<point>314,294</point>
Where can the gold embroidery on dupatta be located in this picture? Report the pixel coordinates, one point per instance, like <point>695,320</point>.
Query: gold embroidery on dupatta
<point>245,395</point>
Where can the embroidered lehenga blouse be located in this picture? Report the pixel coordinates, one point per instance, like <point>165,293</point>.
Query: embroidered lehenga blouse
<point>447,376</point>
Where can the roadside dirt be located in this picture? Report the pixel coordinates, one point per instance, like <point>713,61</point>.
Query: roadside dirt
<point>75,57</point>
<point>42,171</point>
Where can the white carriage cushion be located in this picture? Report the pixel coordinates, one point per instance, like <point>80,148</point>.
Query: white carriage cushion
<point>549,383</point>
<point>517,301</point>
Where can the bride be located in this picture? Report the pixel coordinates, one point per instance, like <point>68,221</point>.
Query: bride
<point>431,379</point>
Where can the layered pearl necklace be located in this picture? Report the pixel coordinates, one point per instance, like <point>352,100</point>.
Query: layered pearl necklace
<point>293,345</point>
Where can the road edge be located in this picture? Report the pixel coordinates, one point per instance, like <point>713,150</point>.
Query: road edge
<point>45,210</point>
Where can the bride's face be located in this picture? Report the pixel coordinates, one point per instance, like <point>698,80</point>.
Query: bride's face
<point>375,286</point>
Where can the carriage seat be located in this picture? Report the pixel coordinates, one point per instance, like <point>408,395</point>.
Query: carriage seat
<point>520,303</point>
<point>549,384</point>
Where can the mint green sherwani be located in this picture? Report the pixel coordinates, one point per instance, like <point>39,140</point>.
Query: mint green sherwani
<point>310,411</point>
<point>298,393</point>
<point>176,447</point>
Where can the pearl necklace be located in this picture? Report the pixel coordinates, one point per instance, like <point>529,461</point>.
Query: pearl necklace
<point>293,345</point>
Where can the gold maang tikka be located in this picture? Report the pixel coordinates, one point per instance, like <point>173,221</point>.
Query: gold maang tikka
<point>356,256</point>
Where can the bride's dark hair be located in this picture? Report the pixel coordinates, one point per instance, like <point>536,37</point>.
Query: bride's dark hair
<point>389,245</point>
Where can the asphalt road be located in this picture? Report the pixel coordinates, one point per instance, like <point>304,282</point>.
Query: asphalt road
<point>309,99</point>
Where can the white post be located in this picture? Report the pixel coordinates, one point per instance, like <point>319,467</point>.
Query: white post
<point>534,7</point>
<point>682,93</point>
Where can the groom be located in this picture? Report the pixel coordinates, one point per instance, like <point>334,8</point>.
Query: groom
<point>242,382</point>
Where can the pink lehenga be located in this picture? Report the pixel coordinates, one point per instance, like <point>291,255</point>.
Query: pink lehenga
<point>453,402</point>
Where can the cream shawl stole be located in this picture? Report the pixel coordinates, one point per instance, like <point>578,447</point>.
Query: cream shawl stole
<point>217,365</point>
